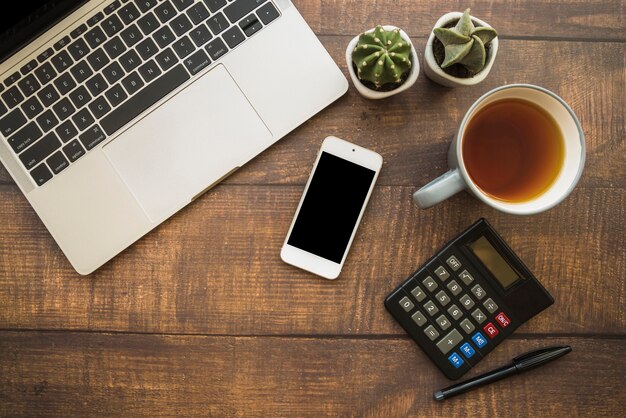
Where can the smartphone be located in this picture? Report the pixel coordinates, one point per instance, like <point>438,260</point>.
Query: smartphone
<point>331,207</point>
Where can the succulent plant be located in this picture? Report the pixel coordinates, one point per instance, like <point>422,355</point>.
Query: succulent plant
<point>465,44</point>
<point>382,56</point>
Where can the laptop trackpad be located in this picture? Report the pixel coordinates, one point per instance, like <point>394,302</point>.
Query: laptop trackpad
<point>188,143</point>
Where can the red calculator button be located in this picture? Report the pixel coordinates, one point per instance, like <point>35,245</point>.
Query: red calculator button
<point>491,330</point>
<point>503,320</point>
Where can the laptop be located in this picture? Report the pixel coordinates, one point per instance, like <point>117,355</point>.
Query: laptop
<point>114,115</point>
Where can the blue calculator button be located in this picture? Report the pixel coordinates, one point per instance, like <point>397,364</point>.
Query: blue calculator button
<point>479,340</point>
<point>456,360</point>
<point>467,350</point>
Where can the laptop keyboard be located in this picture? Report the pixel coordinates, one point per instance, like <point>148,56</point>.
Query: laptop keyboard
<point>122,60</point>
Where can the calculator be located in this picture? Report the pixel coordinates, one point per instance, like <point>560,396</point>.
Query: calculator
<point>467,299</point>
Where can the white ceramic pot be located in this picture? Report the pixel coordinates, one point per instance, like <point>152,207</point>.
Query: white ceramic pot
<point>373,94</point>
<point>434,71</point>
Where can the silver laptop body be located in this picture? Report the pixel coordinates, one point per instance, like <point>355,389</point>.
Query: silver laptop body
<point>104,180</point>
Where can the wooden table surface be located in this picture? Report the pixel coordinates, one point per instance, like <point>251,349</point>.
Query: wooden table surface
<point>201,317</point>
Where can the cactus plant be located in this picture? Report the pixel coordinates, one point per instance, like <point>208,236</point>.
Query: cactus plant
<point>465,44</point>
<point>382,56</point>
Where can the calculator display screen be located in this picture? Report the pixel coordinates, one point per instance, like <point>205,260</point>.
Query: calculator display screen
<point>493,261</point>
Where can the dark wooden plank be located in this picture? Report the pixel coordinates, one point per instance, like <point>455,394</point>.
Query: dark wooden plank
<point>74,374</point>
<point>413,130</point>
<point>595,19</point>
<point>215,267</point>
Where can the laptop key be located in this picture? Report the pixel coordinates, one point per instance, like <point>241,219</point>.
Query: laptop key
<point>64,109</point>
<point>81,71</point>
<point>40,150</point>
<point>182,4</point>
<point>99,107</point>
<point>41,174</point>
<point>78,49</point>
<point>115,47</point>
<point>132,83</point>
<point>128,13</point>
<point>28,67</point>
<point>145,5</point>
<point>62,61</point>
<point>95,37</point>
<point>183,47</point>
<point>112,7</point>
<point>95,18</point>
<point>147,48</point>
<point>112,25</point>
<point>239,8</point>
<point>12,122</point>
<point>200,35</point>
<point>83,119</point>
<point>215,5</point>
<point>65,83</point>
<point>47,120</point>
<point>131,35</point>
<point>148,24</point>
<point>3,108</point>
<point>267,13</point>
<point>218,23</point>
<point>80,97</point>
<point>130,60</point>
<point>197,62</point>
<point>45,73</point>
<point>166,59</point>
<point>62,43</point>
<point>66,131</point>
<point>250,25</point>
<point>45,55</point>
<point>78,31</point>
<point>198,13</point>
<point>73,151</point>
<point>98,59</point>
<point>149,71</point>
<point>92,137</point>
<point>216,48</point>
<point>57,162</point>
<point>164,36</point>
<point>12,78</point>
<point>233,36</point>
<point>12,97</point>
<point>96,85</point>
<point>32,107</point>
<point>181,24</point>
<point>48,95</point>
<point>144,99</point>
<point>165,11</point>
<point>24,137</point>
<point>116,95</point>
<point>29,85</point>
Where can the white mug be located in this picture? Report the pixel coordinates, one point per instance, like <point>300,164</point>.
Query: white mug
<point>457,178</point>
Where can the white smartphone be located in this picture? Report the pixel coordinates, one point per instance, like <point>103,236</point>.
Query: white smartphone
<point>331,207</point>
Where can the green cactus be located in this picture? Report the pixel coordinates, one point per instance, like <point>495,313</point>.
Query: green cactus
<point>382,56</point>
<point>465,44</point>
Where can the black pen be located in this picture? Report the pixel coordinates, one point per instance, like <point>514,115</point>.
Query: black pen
<point>520,365</point>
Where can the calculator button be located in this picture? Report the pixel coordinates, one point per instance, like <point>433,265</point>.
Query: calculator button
<point>455,312</point>
<point>454,287</point>
<point>431,332</point>
<point>490,305</point>
<point>491,330</point>
<point>430,283</point>
<point>443,322</point>
<point>503,320</point>
<point>443,298</point>
<point>467,350</point>
<point>418,318</point>
<point>406,304</point>
<point>456,360</point>
<point>431,308</point>
<point>466,277</point>
<point>479,316</point>
<point>454,263</point>
<point>479,340</point>
<point>467,326</point>
<point>478,292</point>
<point>466,301</point>
<point>418,294</point>
<point>442,273</point>
<point>450,341</point>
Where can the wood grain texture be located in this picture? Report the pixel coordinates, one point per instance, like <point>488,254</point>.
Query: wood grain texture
<point>412,131</point>
<point>76,374</point>
<point>215,267</point>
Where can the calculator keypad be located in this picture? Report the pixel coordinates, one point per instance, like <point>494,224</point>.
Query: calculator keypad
<point>430,284</point>
<point>490,305</point>
<point>419,294</point>
<point>442,273</point>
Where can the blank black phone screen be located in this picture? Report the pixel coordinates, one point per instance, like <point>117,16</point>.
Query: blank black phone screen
<point>331,207</point>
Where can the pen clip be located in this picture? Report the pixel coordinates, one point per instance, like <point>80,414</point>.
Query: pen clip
<point>537,357</point>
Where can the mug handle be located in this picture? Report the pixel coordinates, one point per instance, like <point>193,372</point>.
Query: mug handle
<point>439,189</point>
